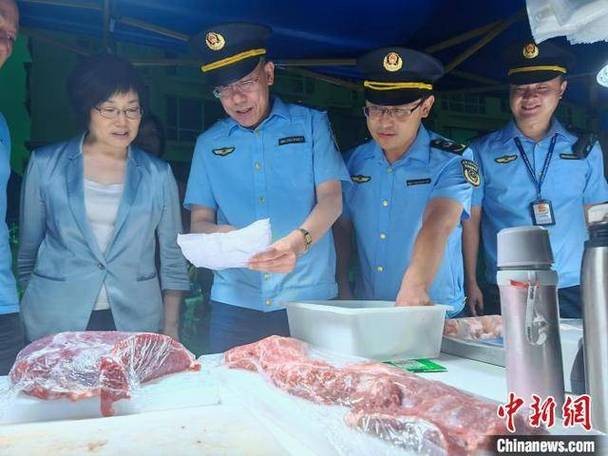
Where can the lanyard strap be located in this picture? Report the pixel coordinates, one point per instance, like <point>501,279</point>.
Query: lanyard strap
<point>538,183</point>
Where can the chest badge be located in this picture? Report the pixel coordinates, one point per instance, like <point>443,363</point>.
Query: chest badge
<point>470,172</point>
<point>359,179</point>
<point>505,159</point>
<point>292,140</point>
<point>223,151</point>
<point>411,182</point>
<point>570,157</point>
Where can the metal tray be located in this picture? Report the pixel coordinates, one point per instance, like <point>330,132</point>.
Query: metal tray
<point>479,351</point>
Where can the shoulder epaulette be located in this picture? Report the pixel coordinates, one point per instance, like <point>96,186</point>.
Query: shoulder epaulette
<point>448,146</point>
<point>582,147</point>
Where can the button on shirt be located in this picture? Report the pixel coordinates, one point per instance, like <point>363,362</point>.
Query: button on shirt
<point>507,191</point>
<point>386,204</point>
<point>270,172</point>
<point>8,291</point>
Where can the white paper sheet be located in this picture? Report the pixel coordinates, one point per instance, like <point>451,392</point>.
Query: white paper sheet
<point>226,250</point>
<point>581,21</point>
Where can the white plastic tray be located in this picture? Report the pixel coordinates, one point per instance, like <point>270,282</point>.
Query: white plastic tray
<point>370,329</point>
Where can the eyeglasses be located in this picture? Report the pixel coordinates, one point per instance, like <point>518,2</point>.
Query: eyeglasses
<point>114,113</point>
<point>376,112</point>
<point>246,86</point>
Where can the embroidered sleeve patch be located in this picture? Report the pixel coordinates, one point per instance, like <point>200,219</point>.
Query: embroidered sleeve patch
<point>223,151</point>
<point>291,140</point>
<point>470,170</point>
<point>411,182</point>
<point>505,159</point>
<point>448,146</point>
<point>359,179</point>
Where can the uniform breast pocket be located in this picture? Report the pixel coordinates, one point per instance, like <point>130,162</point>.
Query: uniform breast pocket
<point>566,177</point>
<point>292,164</point>
<point>413,194</point>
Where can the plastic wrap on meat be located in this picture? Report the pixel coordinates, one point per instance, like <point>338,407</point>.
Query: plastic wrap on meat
<point>266,352</point>
<point>465,420</point>
<point>474,328</point>
<point>78,365</point>
<point>322,383</point>
<point>404,431</point>
<point>410,411</point>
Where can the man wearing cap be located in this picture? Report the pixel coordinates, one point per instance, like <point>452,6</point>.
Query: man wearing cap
<point>269,159</point>
<point>534,172</point>
<point>411,187</point>
<point>11,332</point>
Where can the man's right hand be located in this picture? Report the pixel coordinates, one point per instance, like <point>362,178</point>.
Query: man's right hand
<point>474,299</point>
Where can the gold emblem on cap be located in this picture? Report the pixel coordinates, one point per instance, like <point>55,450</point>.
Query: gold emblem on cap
<point>392,62</point>
<point>214,41</point>
<point>530,51</point>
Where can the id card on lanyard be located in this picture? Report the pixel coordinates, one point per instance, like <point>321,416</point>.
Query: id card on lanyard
<point>541,210</point>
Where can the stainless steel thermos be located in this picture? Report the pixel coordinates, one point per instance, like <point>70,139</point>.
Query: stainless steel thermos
<point>529,306</point>
<point>594,290</point>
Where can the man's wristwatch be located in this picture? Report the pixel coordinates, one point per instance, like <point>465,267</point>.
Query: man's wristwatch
<point>307,238</point>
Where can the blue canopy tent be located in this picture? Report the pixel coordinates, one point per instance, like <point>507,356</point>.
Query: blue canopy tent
<point>320,36</point>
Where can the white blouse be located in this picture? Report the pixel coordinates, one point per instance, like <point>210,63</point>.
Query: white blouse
<point>101,202</point>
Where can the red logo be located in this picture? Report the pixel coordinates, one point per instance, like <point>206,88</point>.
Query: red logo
<point>577,411</point>
<point>509,410</point>
<point>542,412</point>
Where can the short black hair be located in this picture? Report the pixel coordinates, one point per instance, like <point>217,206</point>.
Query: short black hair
<point>97,78</point>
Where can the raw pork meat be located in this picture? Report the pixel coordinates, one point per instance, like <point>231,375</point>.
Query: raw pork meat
<point>285,362</point>
<point>474,328</point>
<point>266,352</point>
<point>78,365</point>
<point>405,409</point>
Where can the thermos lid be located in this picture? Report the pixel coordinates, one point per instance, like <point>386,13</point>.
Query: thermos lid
<point>523,246</point>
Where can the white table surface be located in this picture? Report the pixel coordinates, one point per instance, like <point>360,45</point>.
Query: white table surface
<point>226,428</point>
<point>475,377</point>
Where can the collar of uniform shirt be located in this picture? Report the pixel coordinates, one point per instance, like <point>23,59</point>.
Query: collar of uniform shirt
<point>279,109</point>
<point>511,131</point>
<point>419,150</point>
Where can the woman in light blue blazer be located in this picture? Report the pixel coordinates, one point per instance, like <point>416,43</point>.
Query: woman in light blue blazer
<point>92,211</point>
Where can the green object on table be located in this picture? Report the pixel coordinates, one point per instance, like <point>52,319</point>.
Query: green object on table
<point>417,365</point>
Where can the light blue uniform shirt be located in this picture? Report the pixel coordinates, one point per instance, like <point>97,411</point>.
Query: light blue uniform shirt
<point>270,172</point>
<point>9,302</point>
<point>386,204</point>
<point>507,191</point>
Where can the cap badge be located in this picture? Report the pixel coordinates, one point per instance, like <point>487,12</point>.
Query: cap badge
<point>214,41</point>
<point>530,51</point>
<point>392,62</point>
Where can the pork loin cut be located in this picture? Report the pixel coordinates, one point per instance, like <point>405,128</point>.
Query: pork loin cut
<point>78,365</point>
<point>412,412</point>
